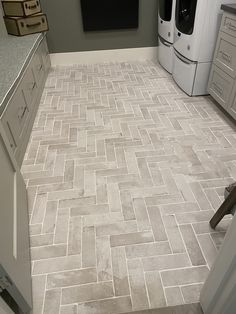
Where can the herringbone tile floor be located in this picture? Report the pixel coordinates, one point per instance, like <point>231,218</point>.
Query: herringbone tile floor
<point>124,172</point>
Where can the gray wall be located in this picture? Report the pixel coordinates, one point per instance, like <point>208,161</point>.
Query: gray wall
<point>66,31</point>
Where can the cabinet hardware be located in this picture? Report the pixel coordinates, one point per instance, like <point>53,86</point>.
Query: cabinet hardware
<point>217,88</point>
<point>23,113</point>
<point>225,56</point>
<point>33,86</point>
<point>40,67</point>
<point>231,26</point>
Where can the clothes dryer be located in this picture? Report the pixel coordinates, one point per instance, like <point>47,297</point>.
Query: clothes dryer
<point>166,25</point>
<point>197,23</point>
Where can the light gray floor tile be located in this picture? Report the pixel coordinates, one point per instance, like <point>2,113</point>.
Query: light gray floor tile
<point>137,285</point>
<point>38,289</point>
<point>57,264</point>
<point>103,258</point>
<point>155,289</point>
<point>114,305</point>
<point>192,245</point>
<point>191,293</point>
<point>173,233</point>
<point>131,238</point>
<point>52,301</point>
<point>174,296</point>
<point>120,272</point>
<point>184,276</point>
<point>208,248</point>
<point>88,247</point>
<point>170,261</point>
<point>157,223</point>
<point>88,292</point>
<point>71,278</point>
<point>120,160</point>
<point>147,249</point>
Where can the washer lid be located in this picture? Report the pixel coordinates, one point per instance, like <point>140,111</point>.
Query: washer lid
<point>165,9</point>
<point>185,15</point>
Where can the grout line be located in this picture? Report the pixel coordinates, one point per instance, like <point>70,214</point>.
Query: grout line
<point>44,294</point>
<point>202,251</point>
<point>128,278</point>
<point>163,287</point>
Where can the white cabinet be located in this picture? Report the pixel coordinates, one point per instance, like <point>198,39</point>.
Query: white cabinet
<point>232,104</point>
<point>220,86</point>
<point>16,123</point>
<point>222,81</point>
<point>14,234</point>
<point>225,54</point>
<point>19,114</point>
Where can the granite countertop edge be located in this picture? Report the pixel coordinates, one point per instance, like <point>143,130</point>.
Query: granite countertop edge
<point>231,8</point>
<point>16,77</point>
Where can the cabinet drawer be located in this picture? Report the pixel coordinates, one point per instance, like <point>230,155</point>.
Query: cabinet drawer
<point>45,55</point>
<point>232,104</point>
<point>220,86</point>
<point>29,87</point>
<point>9,135</point>
<point>228,24</point>
<point>16,115</point>
<point>38,67</point>
<point>225,54</point>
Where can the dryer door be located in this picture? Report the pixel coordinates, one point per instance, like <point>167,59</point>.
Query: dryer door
<point>185,15</point>
<point>165,9</point>
<point>166,22</point>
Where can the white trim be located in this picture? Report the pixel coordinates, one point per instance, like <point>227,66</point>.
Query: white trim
<point>98,56</point>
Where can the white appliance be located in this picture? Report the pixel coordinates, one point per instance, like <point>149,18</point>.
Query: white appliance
<point>197,23</point>
<point>166,25</point>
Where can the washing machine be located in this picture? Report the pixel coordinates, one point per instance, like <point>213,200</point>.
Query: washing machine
<point>197,24</point>
<point>166,25</point>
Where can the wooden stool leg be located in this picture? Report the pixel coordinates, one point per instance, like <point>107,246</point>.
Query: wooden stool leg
<point>224,209</point>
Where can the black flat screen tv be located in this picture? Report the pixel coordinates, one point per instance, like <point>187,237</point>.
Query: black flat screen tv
<point>99,15</point>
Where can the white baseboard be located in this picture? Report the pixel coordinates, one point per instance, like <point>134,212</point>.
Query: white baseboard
<point>98,56</point>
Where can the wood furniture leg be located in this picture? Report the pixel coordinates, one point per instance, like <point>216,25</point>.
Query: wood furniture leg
<point>224,209</point>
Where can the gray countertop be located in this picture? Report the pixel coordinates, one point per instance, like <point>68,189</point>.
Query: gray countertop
<point>14,55</point>
<point>231,8</point>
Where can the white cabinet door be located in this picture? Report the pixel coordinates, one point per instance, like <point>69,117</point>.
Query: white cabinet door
<point>218,293</point>
<point>232,104</point>
<point>220,86</point>
<point>14,235</point>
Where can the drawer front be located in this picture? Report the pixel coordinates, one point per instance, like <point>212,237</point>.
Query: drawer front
<point>232,105</point>
<point>225,54</point>
<point>228,24</point>
<point>45,55</point>
<point>220,86</point>
<point>16,115</point>
<point>29,87</point>
<point>9,135</point>
<point>38,67</point>
<point>33,24</point>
